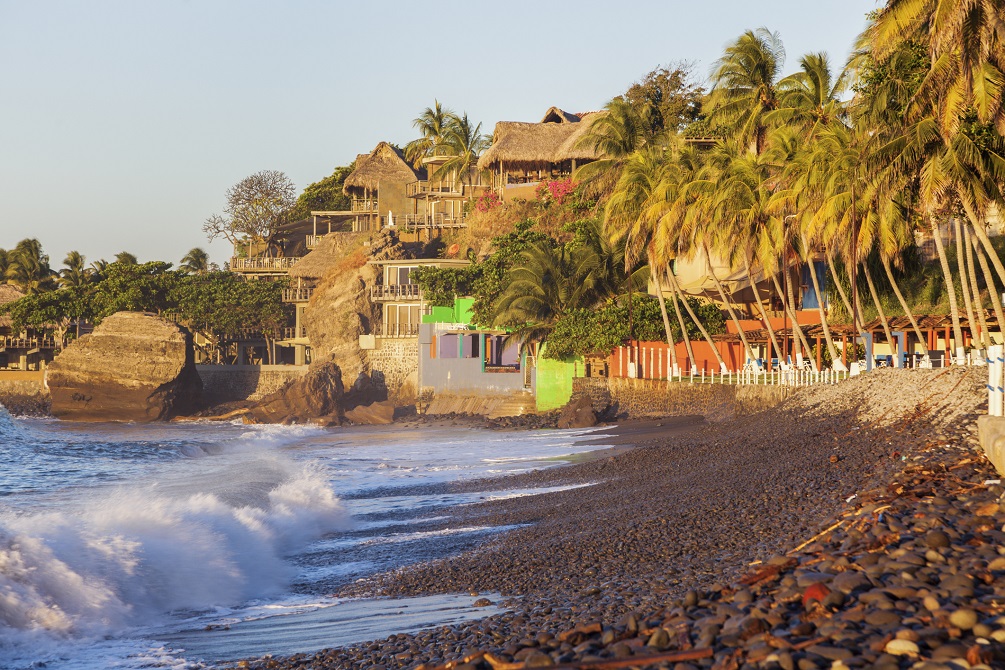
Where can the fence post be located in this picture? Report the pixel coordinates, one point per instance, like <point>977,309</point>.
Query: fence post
<point>996,363</point>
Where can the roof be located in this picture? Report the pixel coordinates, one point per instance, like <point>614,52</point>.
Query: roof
<point>552,141</point>
<point>383,163</point>
<point>7,294</point>
<point>436,262</point>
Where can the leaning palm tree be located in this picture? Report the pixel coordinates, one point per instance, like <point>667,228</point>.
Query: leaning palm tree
<point>744,85</point>
<point>28,268</point>
<point>196,262</point>
<point>614,135</point>
<point>809,99</point>
<point>463,142</point>
<point>75,273</point>
<point>433,124</point>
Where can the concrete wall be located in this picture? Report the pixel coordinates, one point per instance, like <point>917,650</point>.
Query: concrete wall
<point>460,375</point>
<point>394,363</point>
<point>228,383</point>
<point>554,381</point>
<point>655,398</point>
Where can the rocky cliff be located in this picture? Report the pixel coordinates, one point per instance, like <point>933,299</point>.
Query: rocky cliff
<point>317,397</point>
<point>133,367</point>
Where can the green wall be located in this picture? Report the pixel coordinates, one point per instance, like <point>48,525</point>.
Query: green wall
<point>459,313</point>
<point>554,381</point>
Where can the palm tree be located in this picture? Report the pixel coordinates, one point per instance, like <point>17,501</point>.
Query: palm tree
<point>98,269</point>
<point>196,261</point>
<point>744,88</point>
<point>614,135</point>
<point>809,99</point>
<point>28,268</point>
<point>4,263</point>
<point>463,143</point>
<point>75,274</point>
<point>126,258</point>
<point>433,125</point>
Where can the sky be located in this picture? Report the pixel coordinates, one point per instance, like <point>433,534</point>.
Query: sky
<point>123,123</point>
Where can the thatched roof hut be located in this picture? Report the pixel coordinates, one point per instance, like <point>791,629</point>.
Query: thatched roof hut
<point>7,294</point>
<point>522,145</point>
<point>384,163</point>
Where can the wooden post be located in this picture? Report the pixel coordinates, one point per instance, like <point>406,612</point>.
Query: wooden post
<point>819,364</point>
<point>844,351</point>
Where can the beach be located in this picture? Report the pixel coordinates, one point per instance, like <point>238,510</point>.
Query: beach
<point>661,534</point>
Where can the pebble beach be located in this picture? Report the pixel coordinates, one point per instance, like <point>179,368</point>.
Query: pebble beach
<point>855,525</point>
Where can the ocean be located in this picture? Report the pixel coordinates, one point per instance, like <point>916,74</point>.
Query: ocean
<point>183,545</point>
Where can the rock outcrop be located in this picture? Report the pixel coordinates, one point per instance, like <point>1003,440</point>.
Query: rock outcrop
<point>374,414</point>
<point>578,413</point>
<point>317,397</point>
<point>133,367</point>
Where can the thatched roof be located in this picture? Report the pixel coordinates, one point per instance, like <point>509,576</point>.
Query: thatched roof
<point>384,163</point>
<point>7,294</point>
<point>330,250</point>
<point>551,141</point>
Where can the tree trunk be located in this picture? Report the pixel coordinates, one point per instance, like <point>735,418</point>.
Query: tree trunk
<point>796,328</point>
<point>831,349</point>
<point>954,309</point>
<point>996,302</point>
<point>680,318</point>
<point>701,326</point>
<point>729,306</point>
<point>666,320</point>
<point>903,305</point>
<point>982,235</point>
<point>880,312</point>
<point>965,289</point>
<point>760,306</point>
<point>975,290</point>
<point>840,289</point>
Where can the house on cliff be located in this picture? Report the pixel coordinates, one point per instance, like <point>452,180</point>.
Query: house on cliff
<point>22,350</point>
<point>524,154</point>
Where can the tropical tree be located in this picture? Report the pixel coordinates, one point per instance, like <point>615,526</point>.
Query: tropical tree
<point>615,134</point>
<point>810,98</point>
<point>463,143</point>
<point>75,273</point>
<point>28,268</point>
<point>745,86</point>
<point>256,208</point>
<point>433,125</point>
<point>126,258</point>
<point>196,261</point>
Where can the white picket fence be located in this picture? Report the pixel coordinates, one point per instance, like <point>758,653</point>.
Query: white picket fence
<point>791,377</point>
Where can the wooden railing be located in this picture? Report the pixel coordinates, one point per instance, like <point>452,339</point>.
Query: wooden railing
<point>313,241</point>
<point>408,222</point>
<point>262,264</point>
<point>294,333</point>
<point>297,294</point>
<point>399,330</point>
<point>27,343</point>
<point>395,292</point>
<point>417,188</point>
<point>364,205</point>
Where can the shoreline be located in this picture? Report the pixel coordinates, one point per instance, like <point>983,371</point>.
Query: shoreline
<point>640,540</point>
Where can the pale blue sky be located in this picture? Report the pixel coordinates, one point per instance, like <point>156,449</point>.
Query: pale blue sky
<point>122,123</point>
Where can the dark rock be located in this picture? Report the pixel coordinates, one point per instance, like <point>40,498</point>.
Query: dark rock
<point>133,367</point>
<point>316,396</point>
<point>578,413</point>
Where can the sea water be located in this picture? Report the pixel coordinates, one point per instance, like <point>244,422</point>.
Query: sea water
<point>177,545</point>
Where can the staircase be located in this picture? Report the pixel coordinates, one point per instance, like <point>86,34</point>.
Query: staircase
<point>516,404</point>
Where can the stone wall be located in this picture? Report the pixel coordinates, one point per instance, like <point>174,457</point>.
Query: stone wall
<point>394,364</point>
<point>228,383</point>
<point>657,398</point>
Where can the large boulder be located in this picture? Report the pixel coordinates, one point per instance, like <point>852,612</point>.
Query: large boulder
<point>133,367</point>
<point>316,397</point>
<point>578,413</point>
<point>374,414</point>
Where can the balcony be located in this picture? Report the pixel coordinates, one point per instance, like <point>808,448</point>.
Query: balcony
<point>295,333</point>
<point>397,330</point>
<point>297,294</point>
<point>262,264</point>
<point>395,292</point>
<point>409,222</point>
<point>420,188</point>
<point>364,205</point>
<point>35,342</point>
<point>313,241</point>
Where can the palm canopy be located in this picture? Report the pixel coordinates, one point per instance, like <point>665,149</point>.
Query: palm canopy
<point>463,142</point>
<point>614,136</point>
<point>196,261</point>
<point>28,267</point>
<point>744,86</point>
<point>809,98</point>
<point>433,125</point>
<point>75,273</point>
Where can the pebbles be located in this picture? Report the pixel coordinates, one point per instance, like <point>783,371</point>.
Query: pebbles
<point>652,564</point>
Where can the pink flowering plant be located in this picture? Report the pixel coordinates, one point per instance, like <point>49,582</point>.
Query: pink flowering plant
<point>487,201</point>
<point>558,191</point>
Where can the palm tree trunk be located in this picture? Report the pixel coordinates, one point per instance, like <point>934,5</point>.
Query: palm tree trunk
<point>796,328</point>
<point>880,312</point>
<point>988,247</point>
<point>666,320</point>
<point>831,349</point>
<point>729,306</point>
<point>760,306</point>
<point>837,285</point>
<point>903,304</point>
<point>985,339</point>
<point>996,302</point>
<point>954,309</point>
<point>680,317</point>
<point>701,326</point>
<point>967,302</point>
